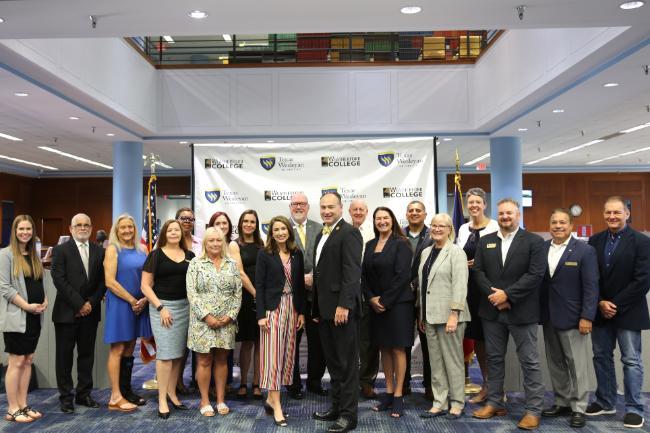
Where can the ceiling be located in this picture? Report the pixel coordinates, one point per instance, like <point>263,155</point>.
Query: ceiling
<point>591,111</point>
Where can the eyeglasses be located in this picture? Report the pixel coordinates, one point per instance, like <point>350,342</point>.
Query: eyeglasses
<point>437,227</point>
<point>186,219</point>
<point>299,204</point>
<point>82,226</point>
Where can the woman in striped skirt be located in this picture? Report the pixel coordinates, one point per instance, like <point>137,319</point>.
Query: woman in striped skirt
<point>280,285</point>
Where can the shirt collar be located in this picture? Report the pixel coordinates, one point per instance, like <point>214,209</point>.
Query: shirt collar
<point>297,224</point>
<point>507,237</point>
<point>336,223</point>
<point>563,244</point>
<point>619,233</point>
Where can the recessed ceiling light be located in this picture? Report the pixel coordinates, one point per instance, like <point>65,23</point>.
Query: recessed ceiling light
<point>227,37</point>
<point>447,139</point>
<point>197,15</point>
<point>522,129</point>
<point>110,134</point>
<point>410,10</point>
<point>475,160</point>
<point>73,118</point>
<point>169,39</point>
<point>182,142</point>
<point>22,161</point>
<point>631,5</point>
<point>610,85</point>
<point>558,110</point>
<point>75,157</point>
<point>21,94</point>
<point>2,20</point>
<point>10,137</point>
<point>270,141</point>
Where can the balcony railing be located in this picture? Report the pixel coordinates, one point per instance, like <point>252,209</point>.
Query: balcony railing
<point>316,49</point>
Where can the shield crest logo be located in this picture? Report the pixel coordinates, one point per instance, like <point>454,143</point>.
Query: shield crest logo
<point>213,195</point>
<point>265,228</point>
<point>267,162</point>
<point>328,189</point>
<point>386,158</point>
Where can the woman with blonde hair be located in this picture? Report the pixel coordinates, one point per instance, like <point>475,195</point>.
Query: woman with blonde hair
<point>22,303</point>
<point>214,291</point>
<point>126,315</point>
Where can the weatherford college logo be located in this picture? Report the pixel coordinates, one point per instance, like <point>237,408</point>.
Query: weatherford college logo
<point>402,192</point>
<point>277,195</point>
<point>340,161</point>
<point>213,195</point>
<point>402,159</point>
<point>267,162</point>
<point>283,163</point>
<point>347,194</point>
<point>223,163</point>
<point>230,197</point>
<point>386,158</point>
<point>265,227</point>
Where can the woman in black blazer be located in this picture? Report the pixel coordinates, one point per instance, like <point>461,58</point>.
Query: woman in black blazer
<point>385,278</point>
<point>280,285</point>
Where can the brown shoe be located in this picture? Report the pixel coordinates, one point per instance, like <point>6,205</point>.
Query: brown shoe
<point>528,422</point>
<point>368,391</point>
<point>488,411</point>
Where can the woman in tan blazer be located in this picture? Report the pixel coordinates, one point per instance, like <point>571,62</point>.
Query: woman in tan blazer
<point>443,315</point>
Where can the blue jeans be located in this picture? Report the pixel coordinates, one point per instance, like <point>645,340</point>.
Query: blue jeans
<point>603,339</point>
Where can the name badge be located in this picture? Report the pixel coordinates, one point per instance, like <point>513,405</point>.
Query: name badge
<point>491,246</point>
<point>570,263</point>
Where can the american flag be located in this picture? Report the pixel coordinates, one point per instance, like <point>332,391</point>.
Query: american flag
<point>150,226</point>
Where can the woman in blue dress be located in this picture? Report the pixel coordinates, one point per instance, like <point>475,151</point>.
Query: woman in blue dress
<point>127,317</point>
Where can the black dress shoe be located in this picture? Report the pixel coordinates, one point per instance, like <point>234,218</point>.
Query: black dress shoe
<point>328,415</point>
<point>577,420</point>
<point>163,415</point>
<point>342,425</point>
<point>318,390</point>
<point>86,401</point>
<point>296,393</point>
<point>67,407</point>
<point>556,410</point>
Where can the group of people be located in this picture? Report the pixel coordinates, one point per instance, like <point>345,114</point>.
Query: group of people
<point>359,291</point>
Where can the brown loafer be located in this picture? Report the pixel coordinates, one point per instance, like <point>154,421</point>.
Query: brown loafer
<point>488,411</point>
<point>528,422</point>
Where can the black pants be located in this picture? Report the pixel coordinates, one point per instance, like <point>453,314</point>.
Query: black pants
<point>81,334</point>
<point>341,349</point>
<point>315,358</point>
<point>426,366</point>
<point>368,353</point>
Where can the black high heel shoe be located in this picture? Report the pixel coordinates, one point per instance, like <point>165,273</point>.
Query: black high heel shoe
<point>163,415</point>
<point>179,406</point>
<point>280,423</point>
<point>269,411</point>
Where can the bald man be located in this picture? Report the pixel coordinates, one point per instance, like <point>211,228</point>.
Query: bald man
<point>78,275</point>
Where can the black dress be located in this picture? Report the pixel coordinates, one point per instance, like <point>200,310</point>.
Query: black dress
<point>24,343</point>
<point>248,330</point>
<point>474,329</point>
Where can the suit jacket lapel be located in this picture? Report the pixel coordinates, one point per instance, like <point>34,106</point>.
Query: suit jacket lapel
<point>513,246</point>
<point>565,255</point>
<point>75,252</point>
<point>442,255</point>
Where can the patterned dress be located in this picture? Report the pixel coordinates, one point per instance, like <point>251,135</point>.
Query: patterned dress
<point>212,291</point>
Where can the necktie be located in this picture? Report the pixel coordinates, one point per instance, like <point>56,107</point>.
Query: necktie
<point>83,248</point>
<point>327,230</point>
<point>301,233</point>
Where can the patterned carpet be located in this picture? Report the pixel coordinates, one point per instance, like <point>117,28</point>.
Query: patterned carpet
<point>248,416</point>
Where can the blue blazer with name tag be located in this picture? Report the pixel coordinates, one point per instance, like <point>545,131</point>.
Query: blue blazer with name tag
<point>571,293</point>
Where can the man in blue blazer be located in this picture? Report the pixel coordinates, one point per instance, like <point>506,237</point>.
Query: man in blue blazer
<point>624,264</point>
<point>569,299</point>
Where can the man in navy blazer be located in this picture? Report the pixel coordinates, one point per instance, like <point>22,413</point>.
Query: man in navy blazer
<point>508,270</point>
<point>569,299</point>
<point>624,265</point>
<point>78,275</point>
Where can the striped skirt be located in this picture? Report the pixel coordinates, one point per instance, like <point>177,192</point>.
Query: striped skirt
<point>278,346</point>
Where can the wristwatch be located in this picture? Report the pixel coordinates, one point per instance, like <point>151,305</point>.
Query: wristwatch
<point>160,307</point>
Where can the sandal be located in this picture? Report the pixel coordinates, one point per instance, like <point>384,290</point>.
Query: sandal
<point>257,392</point>
<point>207,410</point>
<point>19,416</point>
<point>241,394</point>
<point>32,413</point>
<point>385,402</point>
<point>222,409</point>
<point>398,407</point>
<point>120,406</point>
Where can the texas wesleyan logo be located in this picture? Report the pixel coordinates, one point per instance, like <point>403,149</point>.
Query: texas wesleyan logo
<point>328,190</point>
<point>386,158</point>
<point>265,227</point>
<point>267,162</point>
<point>340,161</point>
<point>213,195</point>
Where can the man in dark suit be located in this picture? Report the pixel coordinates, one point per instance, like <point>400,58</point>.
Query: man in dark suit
<point>337,304</point>
<point>508,269</point>
<point>624,265</point>
<point>305,232</point>
<point>78,275</point>
<point>569,302</point>
<point>418,235</point>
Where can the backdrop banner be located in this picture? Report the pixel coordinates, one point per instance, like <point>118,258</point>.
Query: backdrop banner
<point>231,178</point>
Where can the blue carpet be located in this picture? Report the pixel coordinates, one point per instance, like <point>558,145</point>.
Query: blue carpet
<point>248,416</point>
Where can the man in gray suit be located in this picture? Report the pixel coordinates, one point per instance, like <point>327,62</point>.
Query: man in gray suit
<point>305,232</point>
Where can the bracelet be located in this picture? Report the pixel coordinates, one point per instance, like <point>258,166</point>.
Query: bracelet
<point>160,307</point>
